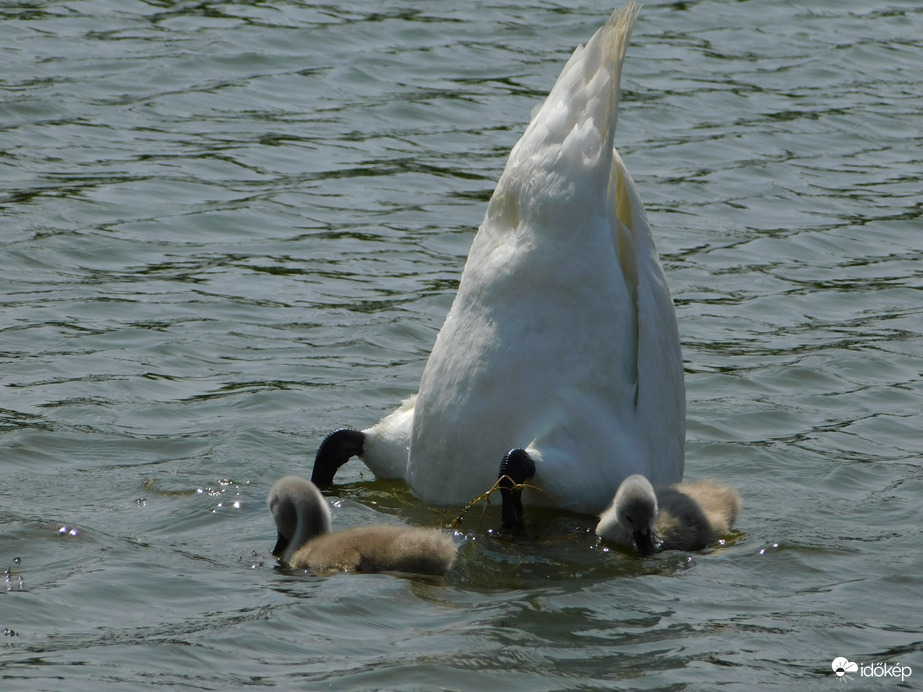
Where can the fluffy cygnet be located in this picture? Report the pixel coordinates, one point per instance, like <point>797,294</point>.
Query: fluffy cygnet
<point>686,516</point>
<point>303,520</point>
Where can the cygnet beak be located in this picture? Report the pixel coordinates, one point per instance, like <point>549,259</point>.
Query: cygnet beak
<point>281,545</point>
<point>645,542</point>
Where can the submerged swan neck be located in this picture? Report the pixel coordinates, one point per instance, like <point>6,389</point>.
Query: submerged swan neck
<point>516,468</point>
<point>300,513</point>
<point>336,449</point>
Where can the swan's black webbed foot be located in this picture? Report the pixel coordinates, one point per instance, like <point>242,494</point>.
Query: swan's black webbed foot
<point>516,468</point>
<point>336,449</point>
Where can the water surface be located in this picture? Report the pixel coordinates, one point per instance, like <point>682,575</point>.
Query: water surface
<point>229,228</point>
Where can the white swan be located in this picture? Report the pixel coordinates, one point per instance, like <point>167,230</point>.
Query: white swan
<point>562,339</point>
<point>304,540</point>
<point>687,516</point>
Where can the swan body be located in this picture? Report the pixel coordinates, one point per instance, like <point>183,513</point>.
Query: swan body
<point>303,521</point>
<point>562,339</point>
<point>686,516</point>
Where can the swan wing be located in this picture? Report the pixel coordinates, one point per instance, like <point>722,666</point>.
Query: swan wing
<point>660,407</point>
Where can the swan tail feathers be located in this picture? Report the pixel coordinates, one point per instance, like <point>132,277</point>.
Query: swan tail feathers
<point>579,115</point>
<point>618,34</point>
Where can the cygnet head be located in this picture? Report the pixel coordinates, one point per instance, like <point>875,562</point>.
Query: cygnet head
<point>633,513</point>
<point>300,513</point>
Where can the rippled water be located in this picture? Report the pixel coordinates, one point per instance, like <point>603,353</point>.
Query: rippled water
<point>229,228</point>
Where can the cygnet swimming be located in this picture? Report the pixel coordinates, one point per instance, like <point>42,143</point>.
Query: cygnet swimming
<point>562,340</point>
<point>303,521</point>
<point>686,516</point>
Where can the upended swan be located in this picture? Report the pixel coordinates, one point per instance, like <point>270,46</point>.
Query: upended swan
<point>686,516</point>
<point>562,341</point>
<point>304,540</point>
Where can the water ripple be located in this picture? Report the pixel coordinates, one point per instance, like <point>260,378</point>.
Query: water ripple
<point>230,228</point>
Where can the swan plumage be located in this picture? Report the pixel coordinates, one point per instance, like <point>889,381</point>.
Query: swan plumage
<point>685,516</point>
<point>303,520</point>
<point>562,339</point>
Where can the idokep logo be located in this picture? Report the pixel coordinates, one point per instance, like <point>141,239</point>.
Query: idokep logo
<point>842,666</point>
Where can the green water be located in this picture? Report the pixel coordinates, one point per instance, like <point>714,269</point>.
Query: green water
<point>229,228</point>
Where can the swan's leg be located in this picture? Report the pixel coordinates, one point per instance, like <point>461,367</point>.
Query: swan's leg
<point>336,449</point>
<point>516,468</point>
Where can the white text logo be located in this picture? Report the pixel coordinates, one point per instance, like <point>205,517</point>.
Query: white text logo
<point>842,666</point>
